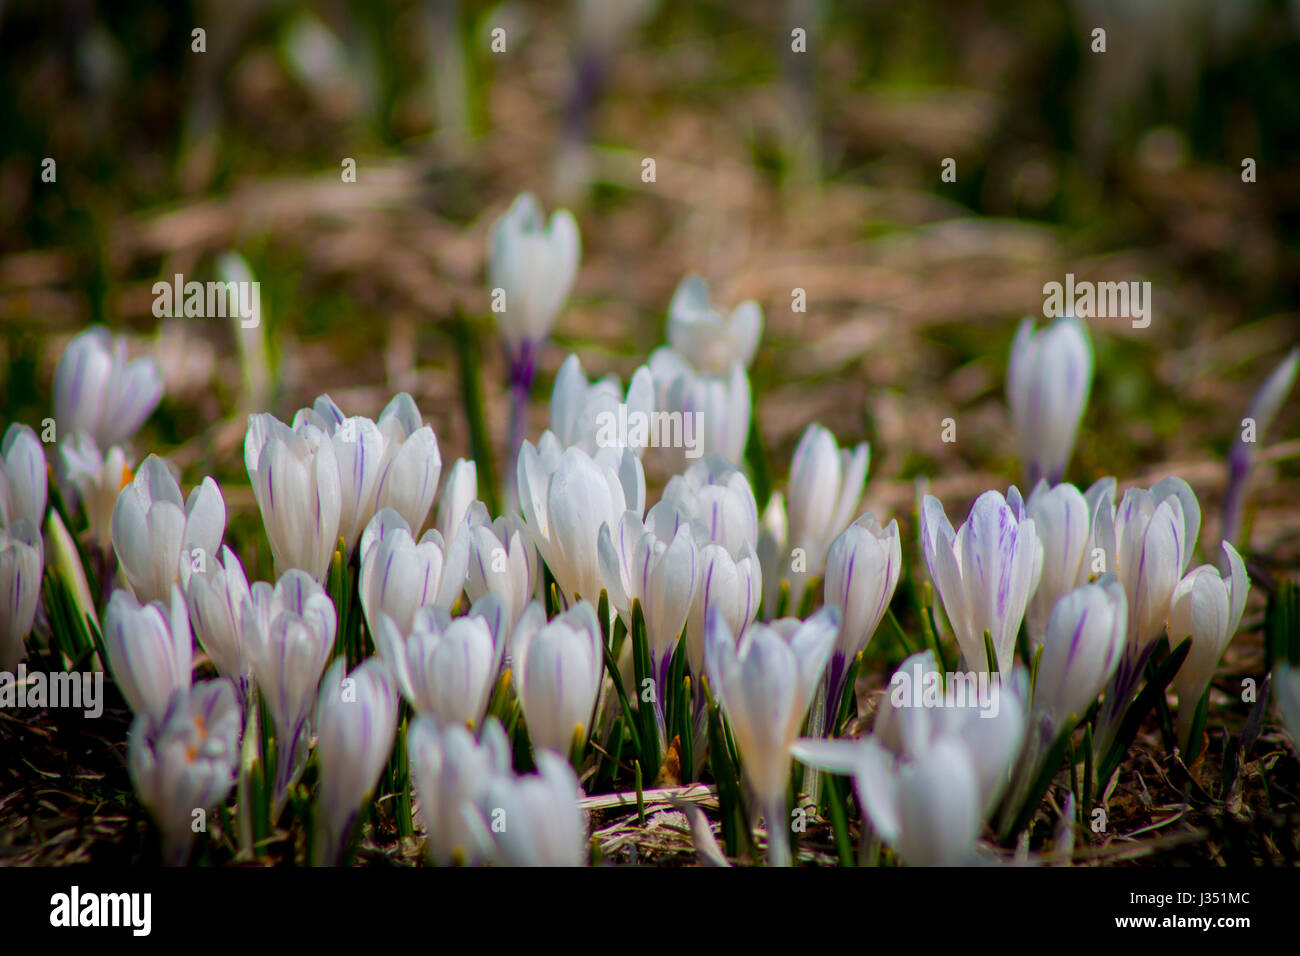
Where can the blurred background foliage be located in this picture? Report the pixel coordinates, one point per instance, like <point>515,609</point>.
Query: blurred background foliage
<point>776,170</point>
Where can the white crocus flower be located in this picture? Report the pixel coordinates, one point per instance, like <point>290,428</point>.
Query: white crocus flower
<point>392,463</point>
<point>862,571</point>
<point>399,576</point>
<point>446,667</point>
<point>926,808</point>
<point>566,495</point>
<point>1208,608</point>
<point>1148,542</point>
<point>295,479</point>
<point>726,585</point>
<point>764,687</point>
<point>586,414</point>
<point>717,495</point>
<point>356,722</point>
<point>287,638</point>
<point>22,556</point>
<point>150,650</point>
<point>452,772</point>
<point>457,499</point>
<point>98,479</point>
<point>825,485</point>
<point>1048,380</point>
<point>987,714</point>
<point>535,819</point>
<point>1071,553</point>
<point>359,451</point>
<point>557,667</point>
<point>984,573</point>
<point>160,539</point>
<point>23,485</point>
<point>638,565</point>
<point>408,479</point>
<point>1082,648</point>
<point>186,760</point>
<point>929,775</point>
<point>502,561</point>
<point>711,340</point>
<point>714,409</point>
<point>218,597</point>
<point>534,263</point>
<point>96,390</point>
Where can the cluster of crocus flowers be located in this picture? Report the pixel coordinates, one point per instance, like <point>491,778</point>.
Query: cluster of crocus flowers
<point>469,634</point>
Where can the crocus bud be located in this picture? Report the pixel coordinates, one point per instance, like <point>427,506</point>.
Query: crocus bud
<point>535,819</point>
<point>64,562</point>
<point>1207,608</point>
<point>566,495</point>
<point>985,572</point>
<point>287,638</point>
<point>356,722</point>
<point>1062,520</point>
<point>452,773</point>
<point>557,668</point>
<point>22,555</point>
<point>22,477</point>
<point>159,538</point>
<point>586,414</point>
<point>764,687</point>
<point>711,339</point>
<point>457,499</point>
<point>218,597</point>
<point>398,576</point>
<point>502,561</point>
<point>862,572</point>
<point>637,565</point>
<point>411,467</point>
<point>1263,409</point>
<point>825,485</point>
<point>97,479</point>
<point>1081,649</point>
<point>295,479</point>
<point>445,667</point>
<point>1048,380</point>
<point>150,650</point>
<point>534,264</point>
<point>96,390</point>
<point>185,762</point>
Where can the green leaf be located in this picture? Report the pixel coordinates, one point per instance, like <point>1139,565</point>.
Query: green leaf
<point>471,389</point>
